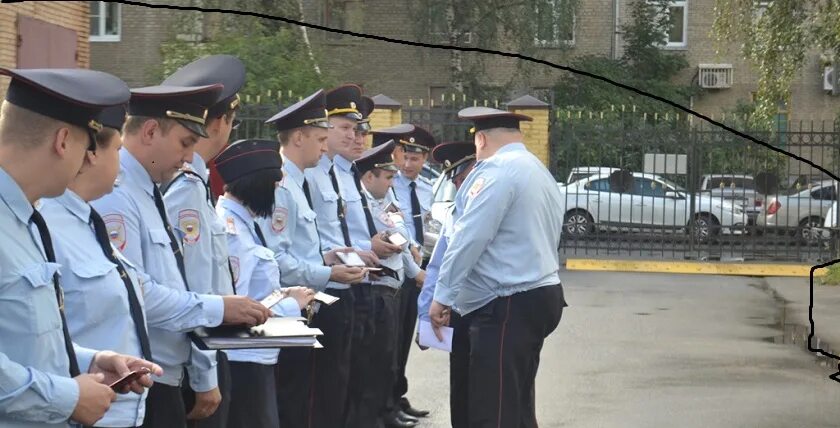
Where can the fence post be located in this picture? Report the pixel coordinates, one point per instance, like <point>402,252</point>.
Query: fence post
<point>387,112</point>
<point>536,132</point>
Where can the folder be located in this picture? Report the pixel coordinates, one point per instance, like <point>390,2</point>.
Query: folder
<point>277,332</point>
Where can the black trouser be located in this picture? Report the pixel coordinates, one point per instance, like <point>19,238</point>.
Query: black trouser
<point>253,396</point>
<point>506,337</point>
<point>406,321</point>
<point>363,325</point>
<point>219,418</point>
<point>375,358</point>
<point>459,371</point>
<point>330,366</point>
<point>294,380</point>
<point>164,407</point>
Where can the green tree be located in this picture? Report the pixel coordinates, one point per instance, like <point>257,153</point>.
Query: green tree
<point>644,65</point>
<point>522,26</point>
<point>775,36</point>
<point>278,57</point>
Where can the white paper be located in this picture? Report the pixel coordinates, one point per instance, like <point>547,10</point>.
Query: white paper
<point>428,338</point>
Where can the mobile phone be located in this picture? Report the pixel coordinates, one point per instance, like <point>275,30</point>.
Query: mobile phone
<point>350,259</point>
<point>129,378</point>
<point>397,239</point>
<point>391,208</point>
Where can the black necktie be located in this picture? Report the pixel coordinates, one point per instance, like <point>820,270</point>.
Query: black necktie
<point>345,231</point>
<point>307,194</point>
<point>133,303</point>
<point>368,216</point>
<point>260,234</point>
<point>173,243</point>
<point>415,213</point>
<point>59,297</point>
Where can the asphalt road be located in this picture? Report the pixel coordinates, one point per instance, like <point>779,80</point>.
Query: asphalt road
<point>650,350</point>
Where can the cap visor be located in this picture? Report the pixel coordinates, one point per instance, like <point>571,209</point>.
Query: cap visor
<point>196,128</point>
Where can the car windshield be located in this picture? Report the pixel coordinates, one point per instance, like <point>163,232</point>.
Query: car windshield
<point>670,183</point>
<point>445,190</point>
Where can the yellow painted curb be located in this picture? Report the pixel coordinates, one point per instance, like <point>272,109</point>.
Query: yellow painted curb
<point>701,268</point>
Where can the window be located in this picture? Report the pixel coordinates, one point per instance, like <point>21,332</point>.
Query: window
<point>824,194</point>
<point>602,185</point>
<point>555,23</point>
<point>104,21</point>
<point>335,12</point>
<point>677,21</point>
<point>645,187</point>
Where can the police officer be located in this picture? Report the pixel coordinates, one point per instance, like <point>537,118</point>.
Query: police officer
<point>105,295</point>
<point>338,205</point>
<point>506,216</point>
<point>415,195</point>
<point>47,123</point>
<point>163,125</point>
<point>250,169</point>
<point>291,232</point>
<point>458,160</point>
<point>377,170</point>
<point>202,234</point>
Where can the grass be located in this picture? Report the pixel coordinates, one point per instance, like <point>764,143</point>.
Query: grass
<point>832,277</point>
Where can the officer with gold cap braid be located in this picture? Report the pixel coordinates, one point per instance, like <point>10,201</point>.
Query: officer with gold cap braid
<point>47,124</point>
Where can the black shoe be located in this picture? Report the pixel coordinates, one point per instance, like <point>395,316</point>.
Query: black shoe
<point>405,417</point>
<point>393,421</point>
<point>411,411</point>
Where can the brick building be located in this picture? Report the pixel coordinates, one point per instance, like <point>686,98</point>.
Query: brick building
<point>44,34</point>
<point>404,72</point>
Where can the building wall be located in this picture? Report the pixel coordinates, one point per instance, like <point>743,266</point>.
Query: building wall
<point>135,57</point>
<point>68,14</point>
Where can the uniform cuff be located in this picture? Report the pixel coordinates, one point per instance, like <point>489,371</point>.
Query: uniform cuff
<point>205,379</point>
<point>66,396</point>
<point>445,296</point>
<point>322,277</point>
<point>288,307</point>
<point>214,309</point>
<point>84,356</point>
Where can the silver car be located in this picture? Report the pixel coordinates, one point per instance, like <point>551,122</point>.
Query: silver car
<point>800,212</point>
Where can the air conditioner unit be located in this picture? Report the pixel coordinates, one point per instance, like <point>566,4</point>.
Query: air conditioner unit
<point>715,76</point>
<point>828,79</point>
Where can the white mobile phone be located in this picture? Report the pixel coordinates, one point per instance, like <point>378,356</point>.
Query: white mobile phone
<point>351,259</point>
<point>397,239</point>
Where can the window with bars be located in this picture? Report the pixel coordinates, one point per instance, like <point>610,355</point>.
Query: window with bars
<point>555,23</point>
<point>104,21</point>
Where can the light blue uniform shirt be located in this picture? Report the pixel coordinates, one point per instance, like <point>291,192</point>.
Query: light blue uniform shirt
<point>255,271</point>
<point>201,231</point>
<point>507,232</point>
<point>427,293</point>
<point>356,221</point>
<point>325,202</point>
<point>402,262</point>
<point>402,189</point>
<point>35,385</point>
<point>96,300</point>
<point>291,233</point>
<point>136,229</point>
<point>202,236</point>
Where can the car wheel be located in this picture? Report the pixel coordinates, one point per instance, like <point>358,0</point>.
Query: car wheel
<point>805,231</point>
<point>577,223</point>
<point>705,227</point>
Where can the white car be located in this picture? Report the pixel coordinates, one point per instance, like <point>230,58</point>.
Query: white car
<point>802,211</point>
<point>653,203</point>
<point>580,172</point>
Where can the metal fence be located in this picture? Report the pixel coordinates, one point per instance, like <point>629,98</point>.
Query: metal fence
<point>693,191</point>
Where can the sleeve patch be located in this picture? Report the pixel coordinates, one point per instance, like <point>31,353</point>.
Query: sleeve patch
<point>115,224</point>
<point>190,224</point>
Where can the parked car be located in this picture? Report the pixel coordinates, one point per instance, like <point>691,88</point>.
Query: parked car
<point>737,189</point>
<point>800,212</point>
<point>580,172</point>
<point>653,203</point>
<point>430,172</point>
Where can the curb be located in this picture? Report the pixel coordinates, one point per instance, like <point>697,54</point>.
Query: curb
<point>698,268</point>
